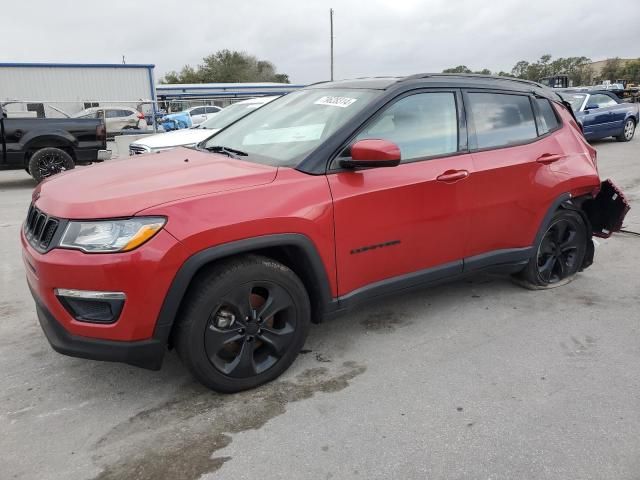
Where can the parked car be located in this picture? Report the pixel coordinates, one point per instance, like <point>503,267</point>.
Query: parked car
<point>117,118</point>
<point>202,113</point>
<point>189,117</point>
<point>602,114</point>
<point>191,136</point>
<point>46,146</point>
<point>325,198</point>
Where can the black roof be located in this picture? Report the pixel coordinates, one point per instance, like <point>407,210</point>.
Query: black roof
<point>458,80</point>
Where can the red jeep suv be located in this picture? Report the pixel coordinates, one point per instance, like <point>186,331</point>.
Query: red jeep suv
<point>318,201</point>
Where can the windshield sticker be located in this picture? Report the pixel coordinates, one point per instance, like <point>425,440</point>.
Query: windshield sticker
<point>301,133</point>
<point>342,102</point>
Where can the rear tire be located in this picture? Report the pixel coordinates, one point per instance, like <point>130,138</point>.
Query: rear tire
<point>49,161</point>
<point>628,131</point>
<point>559,255</point>
<point>242,323</point>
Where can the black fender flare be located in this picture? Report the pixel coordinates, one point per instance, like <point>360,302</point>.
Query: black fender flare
<point>54,140</point>
<point>194,263</point>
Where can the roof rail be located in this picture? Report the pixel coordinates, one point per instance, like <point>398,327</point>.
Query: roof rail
<point>471,75</point>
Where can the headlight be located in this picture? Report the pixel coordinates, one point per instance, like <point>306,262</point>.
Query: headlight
<point>110,235</point>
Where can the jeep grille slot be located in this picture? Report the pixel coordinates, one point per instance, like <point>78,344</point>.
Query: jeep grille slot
<point>40,228</point>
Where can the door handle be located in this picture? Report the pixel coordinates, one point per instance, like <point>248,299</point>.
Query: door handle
<point>548,158</point>
<point>451,176</point>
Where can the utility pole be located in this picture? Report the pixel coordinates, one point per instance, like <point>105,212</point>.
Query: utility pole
<point>331,24</point>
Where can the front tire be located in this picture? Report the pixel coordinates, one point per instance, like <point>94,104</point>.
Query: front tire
<point>49,161</point>
<point>628,131</point>
<point>559,255</point>
<point>242,323</point>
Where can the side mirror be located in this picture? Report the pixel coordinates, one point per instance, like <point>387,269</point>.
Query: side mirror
<point>591,106</point>
<point>372,153</point>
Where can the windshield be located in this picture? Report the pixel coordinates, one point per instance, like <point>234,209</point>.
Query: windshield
<point>575,99</point>
<point>229,115</point>
<point>283,132</point>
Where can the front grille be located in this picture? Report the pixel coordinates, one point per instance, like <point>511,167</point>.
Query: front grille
<point>40,228</point>
<point>137,150</point>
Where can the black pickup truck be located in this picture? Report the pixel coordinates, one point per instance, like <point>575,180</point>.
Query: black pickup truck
<point>46,146</point>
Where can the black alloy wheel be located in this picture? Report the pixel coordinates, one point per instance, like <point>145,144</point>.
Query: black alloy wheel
<point>560,253</point>
<point>49,161</point>
<point>251,329</point>
<point>242,323</point>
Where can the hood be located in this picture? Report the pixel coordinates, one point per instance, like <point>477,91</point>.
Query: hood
<point>176,138</point>
<point>121,188</point>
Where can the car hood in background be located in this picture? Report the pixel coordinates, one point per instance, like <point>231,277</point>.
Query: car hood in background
<point>121,188</point>
<point>176,138</point>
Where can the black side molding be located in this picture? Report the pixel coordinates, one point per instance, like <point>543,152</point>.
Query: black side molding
<point>188,270</point>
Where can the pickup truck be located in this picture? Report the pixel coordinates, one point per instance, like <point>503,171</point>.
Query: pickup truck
<point>46,146</point>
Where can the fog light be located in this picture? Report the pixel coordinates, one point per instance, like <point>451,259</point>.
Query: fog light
<point>91,306</point>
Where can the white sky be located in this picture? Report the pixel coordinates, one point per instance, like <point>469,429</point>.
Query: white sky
<point>373,37</point>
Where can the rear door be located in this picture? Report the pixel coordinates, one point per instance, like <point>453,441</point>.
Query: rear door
<point>390,222</point>
<point>512,179</point>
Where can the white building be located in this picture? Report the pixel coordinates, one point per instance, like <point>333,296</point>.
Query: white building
<point>72,87</point>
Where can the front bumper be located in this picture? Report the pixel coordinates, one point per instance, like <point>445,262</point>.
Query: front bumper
<point>144,353</point>
<point>143,276</point>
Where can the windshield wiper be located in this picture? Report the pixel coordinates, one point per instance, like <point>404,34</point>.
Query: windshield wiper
<point>230,152</point>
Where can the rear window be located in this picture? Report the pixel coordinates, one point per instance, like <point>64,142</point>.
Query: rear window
<point>548,121</point>
<point>502,119</point>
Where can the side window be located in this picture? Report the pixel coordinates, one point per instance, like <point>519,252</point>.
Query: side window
<point>197,111</point>
<point>547,121</point>
<point>602,100</point>
<point>212,109</point>
<point>422,125</point>
<point>113,113</point>
<point>502,119</point>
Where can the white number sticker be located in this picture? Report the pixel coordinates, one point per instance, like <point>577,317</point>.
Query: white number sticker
<point>342,102</point>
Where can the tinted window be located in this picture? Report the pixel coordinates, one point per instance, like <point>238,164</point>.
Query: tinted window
<point>212,109</point>
<point>601,100</point>
<point>197,111</point>
<point>502,119</point>
<point>422,125</point>
<point>547,120</point>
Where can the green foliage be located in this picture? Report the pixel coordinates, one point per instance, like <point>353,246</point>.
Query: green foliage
<point>458,69</point>
<point>631,71</point>
<point>226,66</point>
<point>575,67</point>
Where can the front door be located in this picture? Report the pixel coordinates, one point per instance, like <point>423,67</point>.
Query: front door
<point>600,120</point>
<point>392,222</point>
